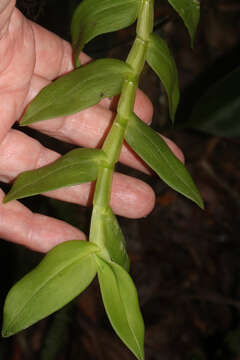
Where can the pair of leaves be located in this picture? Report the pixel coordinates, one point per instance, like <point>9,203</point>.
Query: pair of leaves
<point>121,303</point>
<point>156,153</point>
<point>107,234</point>
<point>63,274</point>
<point>77,90</point>
<point>76,167</point>
<point>93,18</point>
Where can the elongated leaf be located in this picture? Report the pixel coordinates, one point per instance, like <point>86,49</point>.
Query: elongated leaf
<point>189,10</point>
<point>63,274</point>
<point>217,111</point>
<point>114,240</point>
<point>155,152</point>
<point>77,90</point>
<point>162,62</point>
<point>76,167</point>
<point>106,232</point>
<point>121,303</point>
<point>93,18</point>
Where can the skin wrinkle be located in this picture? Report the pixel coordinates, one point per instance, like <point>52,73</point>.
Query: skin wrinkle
<point>78,194</point>
<point>21,40</point>
<point>61,50</point>
<point>6,9</point>
<point>55,43</point>
<point>91,130</point>
<point>134,199</point>
<point>8,113</point>
<point>14,109</point>
<point>17,161</point>
<point>39,227</point>
<point>8,53</point>
<point>46,157</point>
<point>33,230</point>
<point>66,65</point>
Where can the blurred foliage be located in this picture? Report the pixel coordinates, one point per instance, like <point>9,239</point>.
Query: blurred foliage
<point>217,111</point>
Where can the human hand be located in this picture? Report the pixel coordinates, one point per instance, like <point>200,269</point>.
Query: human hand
<point>31,57</point>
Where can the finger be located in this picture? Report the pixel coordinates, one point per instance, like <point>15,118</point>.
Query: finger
<point>131,197</point>
<point>35,231</point>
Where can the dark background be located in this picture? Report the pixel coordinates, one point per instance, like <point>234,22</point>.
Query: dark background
<point>185,261</point>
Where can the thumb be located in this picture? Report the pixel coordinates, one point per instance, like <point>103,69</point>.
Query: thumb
<point>6,9</point>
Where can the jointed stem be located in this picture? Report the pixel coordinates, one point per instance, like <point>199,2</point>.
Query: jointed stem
<point>114,140</point>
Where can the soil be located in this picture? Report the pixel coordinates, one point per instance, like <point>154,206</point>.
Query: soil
<point>184,260</point>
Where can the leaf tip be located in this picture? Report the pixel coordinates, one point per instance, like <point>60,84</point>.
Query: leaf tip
<point>77,61</point>
<point>140,355</point>
<point>172,117</point>
<point>192,41</point>
<point>202,205</point>
<point>199,201</point>
<point>24,122</point>
<point>6,331</point>
<point>4,334</point>
<point>6,199</point>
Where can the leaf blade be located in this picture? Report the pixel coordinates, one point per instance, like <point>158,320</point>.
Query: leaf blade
<point>76,167</point>
<point>155,152</point>
<point>51,285</point>
<point>217,110</point>
<point>161,61</point>
<point>189,11</point>
<point>96,18</point>
<point>121,303</point>
<point>114,240</point>
<point>77,90</point>
<point>107,234</point>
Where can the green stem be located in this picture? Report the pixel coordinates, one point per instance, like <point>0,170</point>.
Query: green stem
<point>114,140</point>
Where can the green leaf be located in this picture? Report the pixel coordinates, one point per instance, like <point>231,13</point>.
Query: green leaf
<point>107,234</point>
<point>156,153</point>
<point>121,303</point>
<point>217,112</point>
<point>189,10</point>
<point>114,240</point>
<point>93,18</point>
<point>76,167</point>
<point>62,275</point>
<point>162,62</point>
<point>77,90</point>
